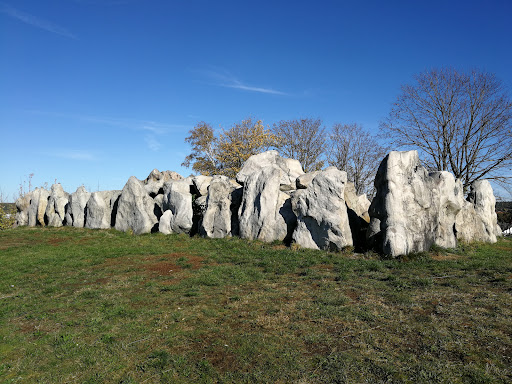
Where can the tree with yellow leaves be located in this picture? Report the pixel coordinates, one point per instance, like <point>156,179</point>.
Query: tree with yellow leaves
<point>226,154</point>
<point>204,150</point>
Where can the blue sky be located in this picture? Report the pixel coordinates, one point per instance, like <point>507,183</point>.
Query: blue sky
<point>94,91</point>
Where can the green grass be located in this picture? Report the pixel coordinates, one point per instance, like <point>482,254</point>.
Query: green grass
<point>90,306</point>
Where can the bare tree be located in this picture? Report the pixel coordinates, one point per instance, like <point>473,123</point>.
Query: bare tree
<point>460,122</point>
<point>356,151</point>
<point>302,139</point>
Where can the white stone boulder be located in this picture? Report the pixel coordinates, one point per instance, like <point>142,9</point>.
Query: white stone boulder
<point>403,213</point>
<point>413,210</point>
<point>37,208</point>
<point>290,168</point>
<point>357,203</point>
<point>322,219</point>
<point>135,210</point>
<point>99,209</point>
<point>477,220</point>
<point>22,206</point>
<point>155,181</point>
<point>265,211</point>
<point>216,222</point>
<point>75,212</point>
<point>178,213</point>
<point>201,184</point>
<point>448,199</point>
<point>303,181</point>
<point>55,213</point>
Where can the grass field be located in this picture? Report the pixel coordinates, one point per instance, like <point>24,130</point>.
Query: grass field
<point>90,306</point>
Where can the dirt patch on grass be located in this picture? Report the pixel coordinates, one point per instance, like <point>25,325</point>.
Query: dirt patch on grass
<point>13,244</point>
<point>163,268</point>
<point>447,256</point>
<point>56,241</point>
<point>170,264</point>
<point>217,353</point>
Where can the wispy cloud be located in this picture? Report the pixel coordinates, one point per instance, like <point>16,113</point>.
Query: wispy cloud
<point>152,129</point>
<point>152,142</point>
<point>34,21</point>
<point>225,79</point>
<point>72,154</point>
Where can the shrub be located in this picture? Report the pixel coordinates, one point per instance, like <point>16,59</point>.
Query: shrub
<point>7,215</point>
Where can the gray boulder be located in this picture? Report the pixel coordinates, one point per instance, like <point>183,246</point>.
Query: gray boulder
<point>265,212</point>
<point>403,218</point>
<point>357,203</point>
<point>75,211</point>
<point>22,206</point>
<point>414,209</point>
<point>216,222</point>
<point>477,220</point>
<point>155,181</point>
<point>448,198</point>
<point>177,206</point>
<point>290,168</point>
<point>201,184</point>
<point>322,219</point>
<point>37,208</point>
<point>303,181</point>
<point>135,210</point>
<point>55,213</point>
<point>99,209</point>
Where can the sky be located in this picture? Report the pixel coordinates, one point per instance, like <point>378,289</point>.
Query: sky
<point>95,91</point>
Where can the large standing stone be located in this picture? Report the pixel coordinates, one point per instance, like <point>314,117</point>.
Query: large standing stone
<point>38,203</point>
<point>265,212</point>
<point>22,206</point>
<point>154,183</point>
<point>99,210</point>
<point>448,200</point>
<point>322,220</point>
<point>290,168</point>
<point>75,212</point>
<point>135,210</point>
<point>216,221</point>
<point>477,221</point>
<point>403,219</point>
<point>177,204</point>
<point>55,213</point>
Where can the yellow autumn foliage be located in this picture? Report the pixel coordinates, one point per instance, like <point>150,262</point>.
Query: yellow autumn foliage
<point>225,155</point>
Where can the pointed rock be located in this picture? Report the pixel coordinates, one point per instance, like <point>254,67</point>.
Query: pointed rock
<point>265,211</point>
<point>135,210</point>
<point>55,213</point>
<point>75,212</point>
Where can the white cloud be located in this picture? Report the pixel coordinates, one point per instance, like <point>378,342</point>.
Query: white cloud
<point>152,143</point>
<point>152,129</point>
<point>223,78</point>
<point>34,21</point>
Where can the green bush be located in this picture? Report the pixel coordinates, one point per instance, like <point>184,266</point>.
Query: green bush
<point>7,215</point>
